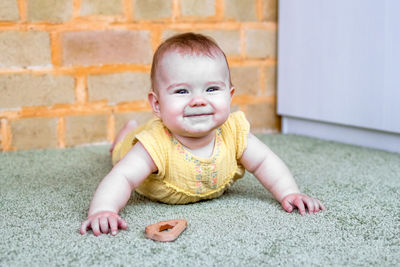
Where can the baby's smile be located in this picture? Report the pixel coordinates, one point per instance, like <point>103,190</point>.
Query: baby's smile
<point>198,112</point>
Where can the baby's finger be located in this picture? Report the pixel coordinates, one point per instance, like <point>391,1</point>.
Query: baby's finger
<point>113,225</point>
<point>84,227</point>
<point>122,223</point>
<point>95,227</point>
<point>287,206</point>
<point>104,225</point>
<point>317,208</point>
<point>298,202</point>
<point>310,204</point>
<point>321,206</point>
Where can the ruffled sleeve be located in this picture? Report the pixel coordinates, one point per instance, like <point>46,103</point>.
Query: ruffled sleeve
<point>154,139</point>
<point>240,128</point>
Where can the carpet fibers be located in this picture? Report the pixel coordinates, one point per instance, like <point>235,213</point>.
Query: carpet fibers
<point>45,194</point>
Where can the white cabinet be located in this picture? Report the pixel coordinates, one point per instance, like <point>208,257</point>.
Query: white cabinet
<point>339,70</point>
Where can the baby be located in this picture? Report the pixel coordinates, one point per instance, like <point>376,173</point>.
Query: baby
<point>195,148</point>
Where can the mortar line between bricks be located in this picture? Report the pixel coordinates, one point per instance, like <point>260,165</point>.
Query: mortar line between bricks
<point>111,127</point>
<point>105,69</point>
<point>6,137</point>
<point>61,132</point>
<point>59,110</point>
<point>260,9</point>
<point>55,47</point>
<point>101,107</point>
<point>76,70</point>
<point>22,10</point>
<point>156,38</point>
<point>81,93</point>
<point>76,8</point>
<point>87,24</point>
<point>176,10</point>
<point>128,10</point>
<point>219,9</point>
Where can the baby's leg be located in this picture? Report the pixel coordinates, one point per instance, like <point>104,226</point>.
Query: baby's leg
<point>128,127</point>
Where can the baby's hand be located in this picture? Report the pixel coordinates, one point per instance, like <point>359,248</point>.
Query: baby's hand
<point>301,201</point>
<point>103,222</point>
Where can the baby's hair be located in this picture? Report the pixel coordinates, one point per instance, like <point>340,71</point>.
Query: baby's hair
<point>187,43</point>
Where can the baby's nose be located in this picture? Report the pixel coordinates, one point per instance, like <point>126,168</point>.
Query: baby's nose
<point>197,101</point>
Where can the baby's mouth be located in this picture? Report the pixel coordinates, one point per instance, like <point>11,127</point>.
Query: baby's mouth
<point>198,115</point>
<point>198,112</point>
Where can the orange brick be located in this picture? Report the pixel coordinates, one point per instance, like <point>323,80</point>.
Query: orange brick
<point>260,43</point>
<point>34,133</point>
<point>85,129</point>
<point>152,9</point>
<point>271,10</point>
<point>198,8</point>
<point>122,118</point>
<point>245,80</point>
<point>24,49</point>
<point>35,90</point>
<point>228,40</point>
<point>262,117</point>
<point>8,10</point>
<point>49,10</point>
<point>270,81</point>
<point>101,7</point>
<point>106,47</point>
<point>119,87</point>
<point>241,10</point>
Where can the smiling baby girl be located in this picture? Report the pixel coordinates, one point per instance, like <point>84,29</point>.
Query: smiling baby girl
<point>195,148</point>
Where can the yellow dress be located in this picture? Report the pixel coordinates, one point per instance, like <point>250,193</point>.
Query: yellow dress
<point>183,177</point>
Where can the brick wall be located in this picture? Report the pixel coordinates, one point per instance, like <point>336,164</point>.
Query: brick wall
<point>72,71</point>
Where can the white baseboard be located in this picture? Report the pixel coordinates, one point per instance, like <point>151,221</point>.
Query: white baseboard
<point>342,133</point>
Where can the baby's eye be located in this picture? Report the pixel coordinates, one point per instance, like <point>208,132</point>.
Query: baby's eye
<point>181,91</point>
<point>212,89</point>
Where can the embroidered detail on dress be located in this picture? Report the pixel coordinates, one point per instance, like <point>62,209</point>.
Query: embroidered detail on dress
<point>168,132</point>
<point>206,174</point>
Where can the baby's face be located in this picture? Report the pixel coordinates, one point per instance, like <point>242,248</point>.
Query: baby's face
<point>193,93</point>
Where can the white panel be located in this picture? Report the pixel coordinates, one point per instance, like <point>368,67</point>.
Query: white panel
<point>336,132</point>
<point>391,97</point>
<point>339,62</point>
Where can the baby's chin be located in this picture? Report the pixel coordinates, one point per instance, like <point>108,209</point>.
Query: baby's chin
<point>197,132</point>
<point>200,127</point>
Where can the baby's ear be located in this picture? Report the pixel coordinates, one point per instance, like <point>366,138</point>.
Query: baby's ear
<point>232,91</point>
<point>155,104</point>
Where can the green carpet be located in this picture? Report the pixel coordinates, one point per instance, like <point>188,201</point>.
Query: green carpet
<point>45,195</point>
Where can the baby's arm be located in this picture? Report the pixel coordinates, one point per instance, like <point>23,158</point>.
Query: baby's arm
<point>115,190</point>
<point>276,177</point>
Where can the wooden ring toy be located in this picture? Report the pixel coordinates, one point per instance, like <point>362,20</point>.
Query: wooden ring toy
<point>166,231</point>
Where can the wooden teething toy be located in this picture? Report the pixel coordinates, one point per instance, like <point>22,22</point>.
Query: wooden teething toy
<point>158,231</point>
